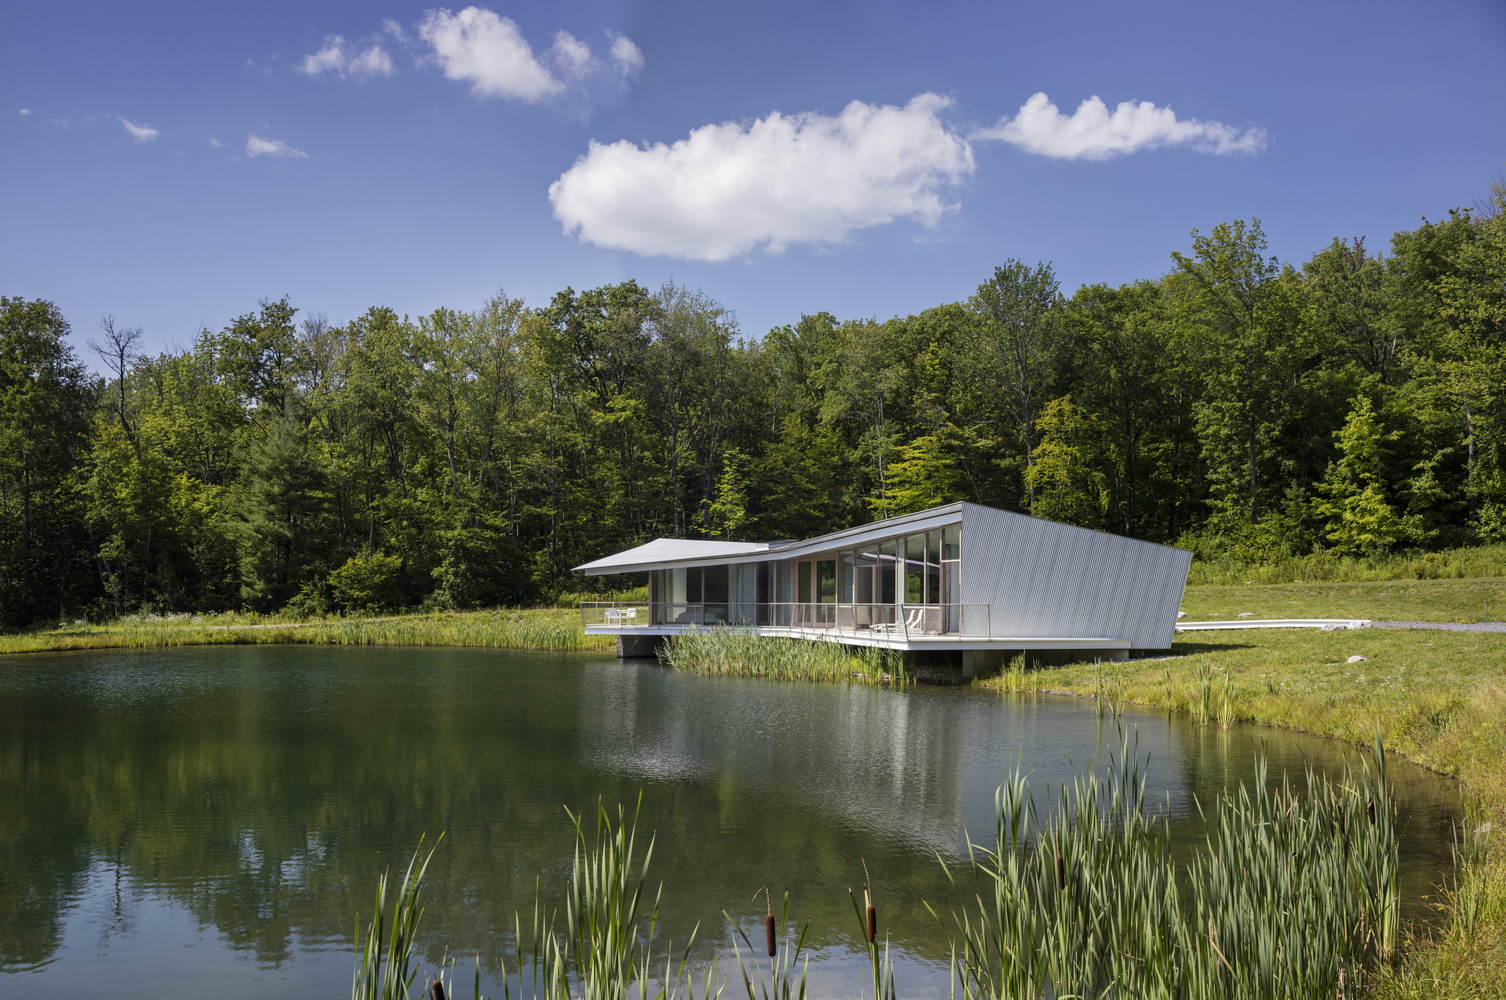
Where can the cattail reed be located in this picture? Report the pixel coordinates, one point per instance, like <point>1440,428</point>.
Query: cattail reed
<point>768,923</point>
<point>1279,903</point>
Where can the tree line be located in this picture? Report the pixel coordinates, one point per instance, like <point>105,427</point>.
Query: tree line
<point>1234,405</point>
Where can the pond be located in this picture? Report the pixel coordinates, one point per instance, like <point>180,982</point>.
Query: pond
<point>218,817</point>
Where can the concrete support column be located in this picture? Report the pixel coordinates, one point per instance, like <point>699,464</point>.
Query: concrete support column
<point>981,662</point>
<point>638,646</point>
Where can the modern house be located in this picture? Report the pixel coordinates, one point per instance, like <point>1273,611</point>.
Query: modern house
<point>977,581</point>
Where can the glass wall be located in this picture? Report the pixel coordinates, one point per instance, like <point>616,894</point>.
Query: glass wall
<point>912,580</point>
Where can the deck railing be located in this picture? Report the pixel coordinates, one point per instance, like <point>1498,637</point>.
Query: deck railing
<point>898,620</point>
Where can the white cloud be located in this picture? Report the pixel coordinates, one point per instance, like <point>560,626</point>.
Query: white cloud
<point>627,56</point>
<point>141,133</point>
<point>806,178</point>
<point>330,59</point>
<point>373,62</point>
<point>572,55</point>
<point>257,146</point>
<point>489,52</point>
<point>26,111</point>
<point>217,144</point>
<point>339,57</point>
<point>1092,133</point>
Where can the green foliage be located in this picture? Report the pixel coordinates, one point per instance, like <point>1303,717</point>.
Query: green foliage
<point>281,515</point>
<point>46,560</point>
<point>1360,518</point>
<point>1066,486</point>
<point>367,582</point>
<point>492,450</point>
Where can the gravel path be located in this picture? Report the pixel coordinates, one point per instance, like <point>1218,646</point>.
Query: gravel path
<point>1446,626</point>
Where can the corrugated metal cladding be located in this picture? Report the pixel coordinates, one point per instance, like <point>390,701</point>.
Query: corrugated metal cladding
<point>1047,580</point>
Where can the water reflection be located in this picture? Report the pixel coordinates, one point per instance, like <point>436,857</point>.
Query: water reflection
<point>171,818</point>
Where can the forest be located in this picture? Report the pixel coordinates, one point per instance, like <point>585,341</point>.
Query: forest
<point>1234,405</point>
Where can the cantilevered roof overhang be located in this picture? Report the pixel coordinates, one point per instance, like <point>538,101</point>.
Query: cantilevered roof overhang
<point>675,553</point>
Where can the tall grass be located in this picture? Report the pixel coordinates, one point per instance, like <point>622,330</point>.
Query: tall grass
<point>1326,567</point>
<point>490,631</point>
<point>604,950</point>
<point>737,653</point>
<point>1294,895</point>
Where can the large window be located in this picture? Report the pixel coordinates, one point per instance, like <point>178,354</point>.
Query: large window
<point>871,586</point>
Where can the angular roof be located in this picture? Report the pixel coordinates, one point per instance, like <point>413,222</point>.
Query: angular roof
<point>663,551</point>
<point>668,553</point>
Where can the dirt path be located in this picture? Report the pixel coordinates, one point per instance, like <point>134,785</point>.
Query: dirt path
<point>1446,626</point>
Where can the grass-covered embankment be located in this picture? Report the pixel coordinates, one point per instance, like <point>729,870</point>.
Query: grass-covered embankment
<point>556,629</point>
<point>1467,600</point>
<point>1437,697</point>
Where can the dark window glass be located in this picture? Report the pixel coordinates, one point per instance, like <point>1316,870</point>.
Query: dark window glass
<point>826,581</point>
<point>803,583</point>
<point>715,587</point>
<point>693,585</point>
<point>886,573</point>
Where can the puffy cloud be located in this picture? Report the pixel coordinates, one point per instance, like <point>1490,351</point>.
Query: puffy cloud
<point>217,144</point>
<point>339,57</point>
<point>26,111</point>
<point>1092,133</point>
<point>627,56</point>
<point>572,55</point>
<point>257,146</point>
<point>141,133</point>
<point>806,178</point>
<point>488,51</point>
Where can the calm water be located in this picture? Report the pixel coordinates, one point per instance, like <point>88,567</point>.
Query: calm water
<point>219,816</point>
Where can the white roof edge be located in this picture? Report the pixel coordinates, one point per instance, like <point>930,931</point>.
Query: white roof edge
<point>648,557</point>
<point>676,553</point>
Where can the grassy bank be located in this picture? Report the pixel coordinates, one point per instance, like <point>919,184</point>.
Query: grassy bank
<point>1468,600</point>
<point>1325,567</point>
<point>1438,698</point>
<point>539,628</point>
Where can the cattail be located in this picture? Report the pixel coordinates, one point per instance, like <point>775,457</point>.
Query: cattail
<point>1061,869</point>
<point>1370,809</point>
<point>769,926</point>
<point>872,923</point>
<point>438,990</point>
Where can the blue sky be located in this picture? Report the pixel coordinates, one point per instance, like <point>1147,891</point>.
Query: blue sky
<point>171,164</point>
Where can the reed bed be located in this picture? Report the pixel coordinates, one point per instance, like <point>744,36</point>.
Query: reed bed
<point>506,630</point>
<point>1294,894</point>
<point>731,652</point>
<point>603,950</point>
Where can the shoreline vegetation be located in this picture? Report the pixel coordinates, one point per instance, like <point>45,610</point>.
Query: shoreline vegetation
<point>1294,894</point>
<point>1438,698</point>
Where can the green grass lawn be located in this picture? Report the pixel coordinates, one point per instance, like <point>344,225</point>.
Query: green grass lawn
<point>1468,600</point>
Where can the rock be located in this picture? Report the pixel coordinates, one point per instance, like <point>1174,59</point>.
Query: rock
<point>1357,659</point>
